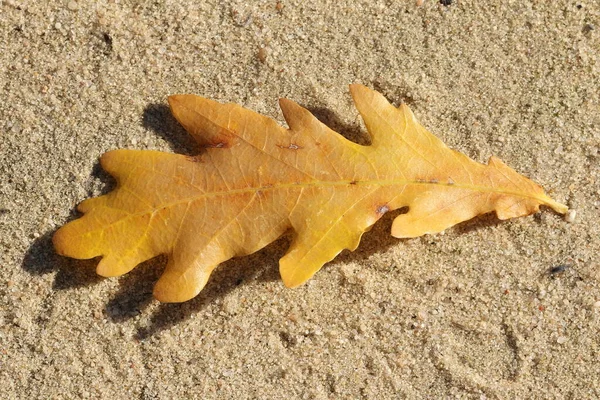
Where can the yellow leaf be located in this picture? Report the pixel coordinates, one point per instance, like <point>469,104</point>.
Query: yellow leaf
<point>254,180</point>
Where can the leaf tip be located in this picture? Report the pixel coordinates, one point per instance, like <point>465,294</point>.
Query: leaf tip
<point>180,104</point>
<point>288,107</point>
<point>177,285</point>
<point>297,117</point>
<point>58,241</point>
<point>293,274</point>
<point>359,92</point>
<point>175,100</point>
<point>70,241</point>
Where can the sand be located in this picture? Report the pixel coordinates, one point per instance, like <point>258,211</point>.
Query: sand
<point>471,313</point>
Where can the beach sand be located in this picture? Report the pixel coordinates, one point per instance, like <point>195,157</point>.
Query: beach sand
<point>471,313</point>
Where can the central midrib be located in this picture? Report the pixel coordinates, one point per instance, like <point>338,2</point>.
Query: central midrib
<point>303,185</point>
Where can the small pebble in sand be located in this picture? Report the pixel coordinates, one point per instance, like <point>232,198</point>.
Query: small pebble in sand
<point>72,5</point>
<point>262,55</point>
<point>558,269</point>
<point>419,3</point>
<point>227,373</point>
<point>570,216</point>
<point>587,28</point>
<point>597,304</point>
<point>561,339</point>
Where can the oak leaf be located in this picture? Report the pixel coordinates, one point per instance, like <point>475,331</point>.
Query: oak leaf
<point>254,180</point>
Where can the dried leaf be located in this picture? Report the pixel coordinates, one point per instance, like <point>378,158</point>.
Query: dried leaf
<point>255,180</point>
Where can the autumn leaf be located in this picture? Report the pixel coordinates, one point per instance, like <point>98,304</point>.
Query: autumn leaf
<point>254,180</point>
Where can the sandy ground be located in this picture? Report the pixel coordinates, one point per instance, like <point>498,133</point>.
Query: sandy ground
<point>472,313</point>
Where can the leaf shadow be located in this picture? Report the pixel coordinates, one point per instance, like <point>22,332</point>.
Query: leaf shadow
<point>259,267</point>
<point>159,119</point>
<point>41,259</point>
<point>351,131</point>
<point>378,239</point>
<point>488,220</point>
<point>396,93</point>
<point>99,183</point>
<point>135,290</point>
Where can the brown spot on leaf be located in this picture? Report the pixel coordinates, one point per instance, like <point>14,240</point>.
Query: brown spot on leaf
<point>218,145</point>
<point>291,146</point>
